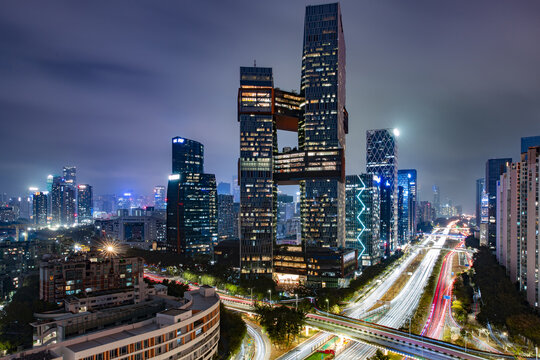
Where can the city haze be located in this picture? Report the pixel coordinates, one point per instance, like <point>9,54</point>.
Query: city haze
<point>459,79</point>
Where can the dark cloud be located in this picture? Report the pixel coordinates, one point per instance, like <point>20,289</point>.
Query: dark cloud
<point>105,85</point>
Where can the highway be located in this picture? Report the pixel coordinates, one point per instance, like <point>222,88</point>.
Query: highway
<point>402,307</point>
<point>303,350</point>
<point>262,343</point>
<point>395,340</point>
<point>434,327</point>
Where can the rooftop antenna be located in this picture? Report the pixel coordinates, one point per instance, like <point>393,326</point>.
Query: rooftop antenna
<point>254,63</point>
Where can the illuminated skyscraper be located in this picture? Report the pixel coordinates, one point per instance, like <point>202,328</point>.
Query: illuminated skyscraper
<point>63,202</point>
<point>362,217</point>
<point>381,160</point>
<point>187,156</point>
<point>191,201</point>
<point>191,213</point>
<point>494,169</point>
<point>257,215</point>
<point>70,175</point>
<point>160,197</point>
<point>85,208</point>
<point>407,216</point>
<point>226,216</point>
<point>40,212</point>
<point>479,191</point>
<point>436,201</point>
<point>325,121</point>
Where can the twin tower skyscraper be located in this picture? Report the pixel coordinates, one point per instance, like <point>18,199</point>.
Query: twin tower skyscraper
<point>319,117</point>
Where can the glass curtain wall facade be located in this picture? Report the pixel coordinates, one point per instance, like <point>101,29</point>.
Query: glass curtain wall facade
<point>362,218</point>
<point>258,142</point>
<point>325,121</point>
<point>84,203</point>
<point>407,215</point>
<point>191,201</point>
<point>62,202</point>
<point>381,160</point>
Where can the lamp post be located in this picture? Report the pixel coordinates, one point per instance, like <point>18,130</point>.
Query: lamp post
<point>296,295</point>
<point>270,292</point>
<point>251,289</point>
<point>327,306</point>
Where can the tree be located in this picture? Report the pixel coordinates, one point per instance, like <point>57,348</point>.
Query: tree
<point>281,323</point>
<point>232,331</point>
<point>379,356</point>
<point>15,318</point>
<point>175,289</point>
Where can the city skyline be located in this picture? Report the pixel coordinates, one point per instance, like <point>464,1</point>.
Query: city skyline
<point>97,100</point>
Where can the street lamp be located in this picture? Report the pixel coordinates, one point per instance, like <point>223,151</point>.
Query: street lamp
<point>327,306</point>
<point>296,295</point>
<point>270,292</point>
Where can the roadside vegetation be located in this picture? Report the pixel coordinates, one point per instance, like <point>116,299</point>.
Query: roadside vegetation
<point>15,318</point>
<point>201,270</point>
<point>424,304</point>
<point>400,283</point>
<point>232,331</point>
<point>502,304</point>
<point>281,323</point>
<point>337,297</point>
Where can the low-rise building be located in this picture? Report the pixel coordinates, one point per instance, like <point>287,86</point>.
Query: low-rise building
<point>161,327</point>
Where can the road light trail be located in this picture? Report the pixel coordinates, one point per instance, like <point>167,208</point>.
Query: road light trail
<point>262,343</point>
<point>402,307</point>
<point>303,350</point>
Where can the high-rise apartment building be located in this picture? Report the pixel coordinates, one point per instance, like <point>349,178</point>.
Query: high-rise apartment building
<point>63,202</point>
<point>191,201</point>
<point>40,208</point>
<point>362,218</point>
<point>160,197</point>
<point>85,207</point>
<point>517,217</point>
<point>479,190</point>
<point>494,169</point>
<point>407,216</point>
<point>381,160</point>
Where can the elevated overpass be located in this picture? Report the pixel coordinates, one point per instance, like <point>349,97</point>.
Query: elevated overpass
<point>415,346</point>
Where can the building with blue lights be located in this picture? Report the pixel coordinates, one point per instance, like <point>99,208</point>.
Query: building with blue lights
<point>191,201</point>
<point>85,208</point>
<point>494,169</point>
<point>381,160</point>
<point>407,214</point>
<point>362,218</point>
<point>187,156</point>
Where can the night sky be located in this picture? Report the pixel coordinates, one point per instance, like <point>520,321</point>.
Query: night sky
<point>105,85</point>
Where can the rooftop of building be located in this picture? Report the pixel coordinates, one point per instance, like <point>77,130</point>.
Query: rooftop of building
<point>89,256</point>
